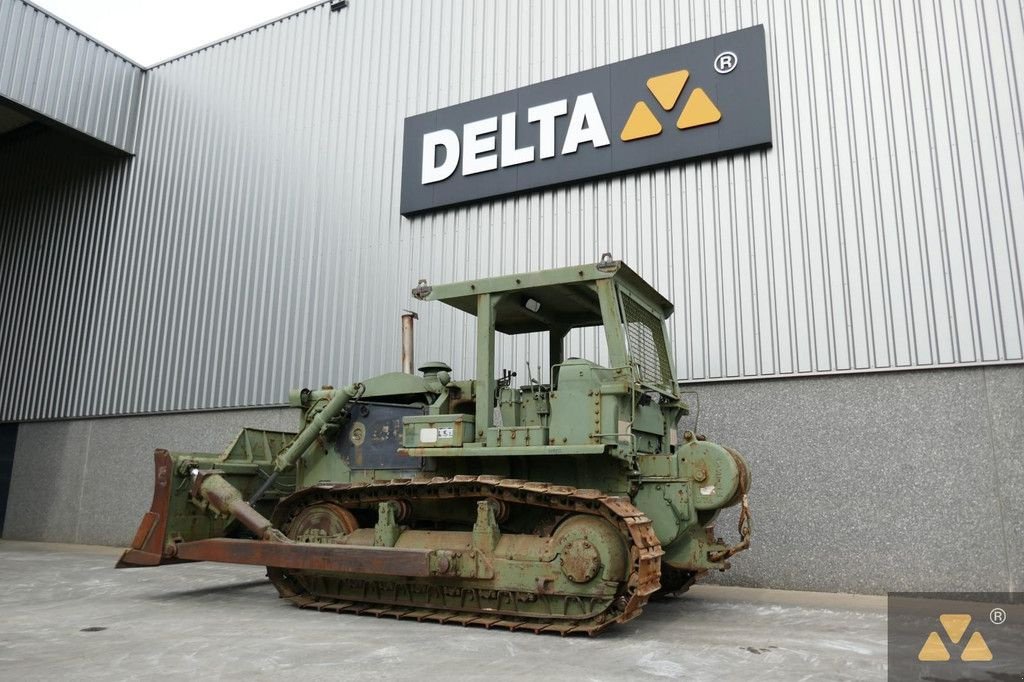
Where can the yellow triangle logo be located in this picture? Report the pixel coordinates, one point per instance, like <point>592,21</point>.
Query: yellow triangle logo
<point>933,649</point>
<point>667,87</point>
<point>976,649</point>
<point>641,123</point>
<point>699,110</point>
<point>955,625</point>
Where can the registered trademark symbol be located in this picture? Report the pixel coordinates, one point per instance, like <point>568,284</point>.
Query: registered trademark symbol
<point>725,62</point>
<point>997,616</point>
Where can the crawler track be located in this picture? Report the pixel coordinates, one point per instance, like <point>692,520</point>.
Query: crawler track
<point>455,604</point>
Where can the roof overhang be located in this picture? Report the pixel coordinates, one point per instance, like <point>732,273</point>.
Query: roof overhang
<point>59,77</point>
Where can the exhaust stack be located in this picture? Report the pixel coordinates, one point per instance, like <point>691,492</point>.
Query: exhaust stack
<point>408,364</point>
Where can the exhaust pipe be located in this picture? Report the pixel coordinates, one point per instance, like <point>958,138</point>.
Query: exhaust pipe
<point>408,364</point>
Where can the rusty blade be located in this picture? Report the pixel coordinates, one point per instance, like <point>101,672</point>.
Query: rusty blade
<point>148,546</point>
<point>310,557</point>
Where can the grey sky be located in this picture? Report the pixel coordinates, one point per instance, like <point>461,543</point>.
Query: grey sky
<point>149,31</point>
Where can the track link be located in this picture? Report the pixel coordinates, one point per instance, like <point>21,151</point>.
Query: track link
<point>645,552</point>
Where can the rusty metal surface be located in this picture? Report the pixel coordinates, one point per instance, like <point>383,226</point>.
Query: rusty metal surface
<point>309,556</point>
<point>408,345</point>
<point>644,549</point>
<point>744,525</point>
<point>319,521</point>
<point>225,498</point>
<point>148,546</point>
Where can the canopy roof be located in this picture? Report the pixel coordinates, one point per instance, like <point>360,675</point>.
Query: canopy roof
<point>567,296</point>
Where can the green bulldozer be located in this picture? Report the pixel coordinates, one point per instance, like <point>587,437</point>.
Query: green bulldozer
<point>549,507</point>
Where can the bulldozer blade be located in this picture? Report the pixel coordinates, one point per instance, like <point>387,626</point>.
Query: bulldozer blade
<point>311,557</point>
<point>148,546</point>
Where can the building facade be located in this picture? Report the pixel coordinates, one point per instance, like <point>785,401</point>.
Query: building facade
<point>181,242</point>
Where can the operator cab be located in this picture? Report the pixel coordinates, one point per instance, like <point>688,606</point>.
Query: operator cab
<point>607,294</point>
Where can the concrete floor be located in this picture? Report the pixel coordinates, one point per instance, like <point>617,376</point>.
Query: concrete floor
<point>66,614</point>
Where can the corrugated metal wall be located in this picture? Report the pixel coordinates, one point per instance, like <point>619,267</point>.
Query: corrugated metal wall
<point>51,68</point>
<point>255,244</point>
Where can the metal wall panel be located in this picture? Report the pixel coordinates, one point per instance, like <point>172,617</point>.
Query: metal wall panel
<point>51,68</point>
<point>255,244</point>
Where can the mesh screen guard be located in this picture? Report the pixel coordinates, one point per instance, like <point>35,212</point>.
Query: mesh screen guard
<point>645,335</point>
